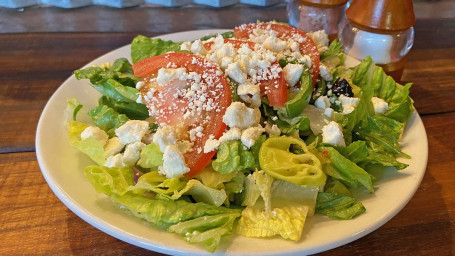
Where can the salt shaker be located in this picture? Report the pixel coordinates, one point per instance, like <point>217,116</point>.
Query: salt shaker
<point>382,29</point>
<point>312,15</point>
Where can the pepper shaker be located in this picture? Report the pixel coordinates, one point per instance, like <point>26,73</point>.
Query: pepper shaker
<point>313,15</point>
<point>382,29</point>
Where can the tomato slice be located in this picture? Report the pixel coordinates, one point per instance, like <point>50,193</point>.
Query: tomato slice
<point>274,88</point>
<point>197,102</point>
<point>307,46</point>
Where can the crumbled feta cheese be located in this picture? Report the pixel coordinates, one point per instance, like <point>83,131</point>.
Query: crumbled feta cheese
<point>325,73</point>
<point>185,46</point>
<point>348,103</point>
<point>166,75</point>
<point>96,133</point>
<point>292,73</point>
<point>328,112</point>
<point>113,146</point>
<point>173,163</point>
<point>210,145</point>
<point>165,136</point>
<point>322,102</point>
<point>321,39</point>
<point>139,99</point>
<point>250,135</point>
<point>232,134</point>
<point>225,62</point>
<point>132,153</point>
<point>332,134</point>
<point>380,106</point>
<point>274,44</point>
<point>132,131</point>
<point>250,93</point>
<point>114,161</point>
<point>184,146</point>
<point>198,47</point>
<point>233,70</point>
<point>227,50</point>
<point>240,116</point>
<point>140,84</point>
<point>272,130</point>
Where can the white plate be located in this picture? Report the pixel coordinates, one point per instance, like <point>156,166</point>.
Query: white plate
<point>62,167</point>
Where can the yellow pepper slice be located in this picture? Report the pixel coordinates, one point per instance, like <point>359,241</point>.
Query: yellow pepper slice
<point>277,161</point>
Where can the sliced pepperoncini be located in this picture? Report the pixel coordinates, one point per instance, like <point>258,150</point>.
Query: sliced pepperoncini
<point>277,160</point>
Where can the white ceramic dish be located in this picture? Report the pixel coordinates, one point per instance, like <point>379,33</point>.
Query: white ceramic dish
<point>62,167</point>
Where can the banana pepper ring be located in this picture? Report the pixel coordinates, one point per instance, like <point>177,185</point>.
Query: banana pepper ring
<point>277,161</point>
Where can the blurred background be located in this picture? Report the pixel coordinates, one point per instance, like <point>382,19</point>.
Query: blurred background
<point>157,16</point>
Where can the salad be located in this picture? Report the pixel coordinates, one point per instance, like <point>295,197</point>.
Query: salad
<point>248,132</point>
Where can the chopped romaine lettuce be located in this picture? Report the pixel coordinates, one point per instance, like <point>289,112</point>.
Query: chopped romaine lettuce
<point>107,119</point>
<point>151,156</point>
<point>90,146</point>
<point>338,206</point>
<point>143,47</point>
<point>287,222</point>
<point>397,96</point>
<point>341,168</point>
<point>231,157</point>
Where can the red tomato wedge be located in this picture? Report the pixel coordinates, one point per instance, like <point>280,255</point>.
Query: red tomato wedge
<point>307,46</point>
<point>274,88</point>
<point>200,100</point>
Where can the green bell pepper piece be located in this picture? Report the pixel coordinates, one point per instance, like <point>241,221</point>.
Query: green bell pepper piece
<point>295,106</point>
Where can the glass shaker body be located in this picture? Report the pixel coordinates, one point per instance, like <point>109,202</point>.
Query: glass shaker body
<point>313,17</point>
<point>387,50</point>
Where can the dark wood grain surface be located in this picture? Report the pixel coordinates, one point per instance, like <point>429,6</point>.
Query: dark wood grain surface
<point>36,60</point>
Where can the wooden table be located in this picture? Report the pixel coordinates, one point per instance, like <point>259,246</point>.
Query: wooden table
<point>39,50</point>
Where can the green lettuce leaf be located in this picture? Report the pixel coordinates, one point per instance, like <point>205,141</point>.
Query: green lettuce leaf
<point>116,83</point>
<point>175,188</point>
<point>143,47</point>
<point>202,193</point>
<point>110,181</point>
<point>341,168</point>
<point>356,151</point>
<point>90,146</point>
<point>196,222</point>
<point>232,157</point>
<point>206,230</point>
<point>334,50</point>
<point>131,109</point>
<point>151,156</point>
<point>107,119</point>
<point>73,106</point>
<point>228,34</point>
<point>120,71</point>
<point>381,135</point>
<point>231,183</point>
<point>338,206</point>
<point>362,111</point>
<point>336,186</point>
<point>75,129</point>
<point>116,91</point>
<point>397,96</point>
<point>287,222</point>
<point>285,193</point>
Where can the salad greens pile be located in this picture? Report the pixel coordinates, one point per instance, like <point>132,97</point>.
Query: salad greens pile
<point>266,190</point>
